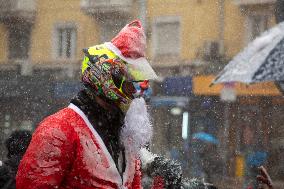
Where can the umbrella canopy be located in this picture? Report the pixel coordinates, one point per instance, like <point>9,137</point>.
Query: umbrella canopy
<point>256,158</point>
<point>205,137</point>
<point>261,60</point>
<point>280,85</point>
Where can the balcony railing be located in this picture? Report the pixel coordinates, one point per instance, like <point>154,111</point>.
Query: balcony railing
<point>104,7</point>
<point>17,10</point>
<point>61,69</point>
<point>253,2</point>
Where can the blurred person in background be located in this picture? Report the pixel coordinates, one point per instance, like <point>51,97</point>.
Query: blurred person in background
<point>175,154</point>
<point>264,179</point>
<point>205,160</point>
<point>255,157</point>
<point>16,145</point>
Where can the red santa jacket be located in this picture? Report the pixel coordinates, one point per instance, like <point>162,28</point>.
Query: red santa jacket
<point>67,153</point>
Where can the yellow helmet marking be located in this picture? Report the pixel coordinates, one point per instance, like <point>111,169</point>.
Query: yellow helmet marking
<point>97,50</point>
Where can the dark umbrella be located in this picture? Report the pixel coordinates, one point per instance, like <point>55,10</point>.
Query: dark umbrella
<point>279,15</point>
<point>280,85</point>
<point>262,60</point>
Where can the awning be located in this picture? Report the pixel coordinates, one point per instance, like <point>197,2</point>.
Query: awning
<point>201,86</point>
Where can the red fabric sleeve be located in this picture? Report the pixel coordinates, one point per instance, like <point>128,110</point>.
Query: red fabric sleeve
<point>158,183</point>
<point>136,183</point>
<point>48,156</point>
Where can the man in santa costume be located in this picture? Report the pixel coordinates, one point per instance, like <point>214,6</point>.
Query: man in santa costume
<point>95,141</point>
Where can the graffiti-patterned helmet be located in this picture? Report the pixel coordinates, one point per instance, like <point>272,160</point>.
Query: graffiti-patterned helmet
<point>118,69</point>
<point>112,77</point>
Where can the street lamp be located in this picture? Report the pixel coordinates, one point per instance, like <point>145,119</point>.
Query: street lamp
<point>228,95</point>
<point>185,125</point>
<point>176,111</point>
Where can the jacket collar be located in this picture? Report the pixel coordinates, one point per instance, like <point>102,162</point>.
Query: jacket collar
<point>130,159</point>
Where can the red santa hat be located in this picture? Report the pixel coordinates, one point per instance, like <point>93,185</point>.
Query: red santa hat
<point>130,46</point>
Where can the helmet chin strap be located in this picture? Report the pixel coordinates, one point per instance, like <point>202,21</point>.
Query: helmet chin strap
<point>124,107</point>
<point>143,90</point>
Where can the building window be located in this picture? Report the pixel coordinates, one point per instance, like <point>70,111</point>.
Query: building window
<point>109,28</point>
<point>166,36</point>
<point>66,42</point>
<point>19,42</point>
<point>257,24</point>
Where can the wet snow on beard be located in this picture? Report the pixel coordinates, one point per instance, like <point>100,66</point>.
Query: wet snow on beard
<point>137,130</point>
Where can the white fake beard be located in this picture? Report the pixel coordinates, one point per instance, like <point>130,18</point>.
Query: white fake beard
<point>137,130</point>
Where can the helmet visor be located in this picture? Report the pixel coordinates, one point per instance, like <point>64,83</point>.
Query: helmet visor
<point>140,69</point>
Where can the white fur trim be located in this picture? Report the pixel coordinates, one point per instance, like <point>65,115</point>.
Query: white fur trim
<point>129,172</point>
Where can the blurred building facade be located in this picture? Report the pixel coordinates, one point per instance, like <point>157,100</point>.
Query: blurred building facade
<point>189,41</point>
